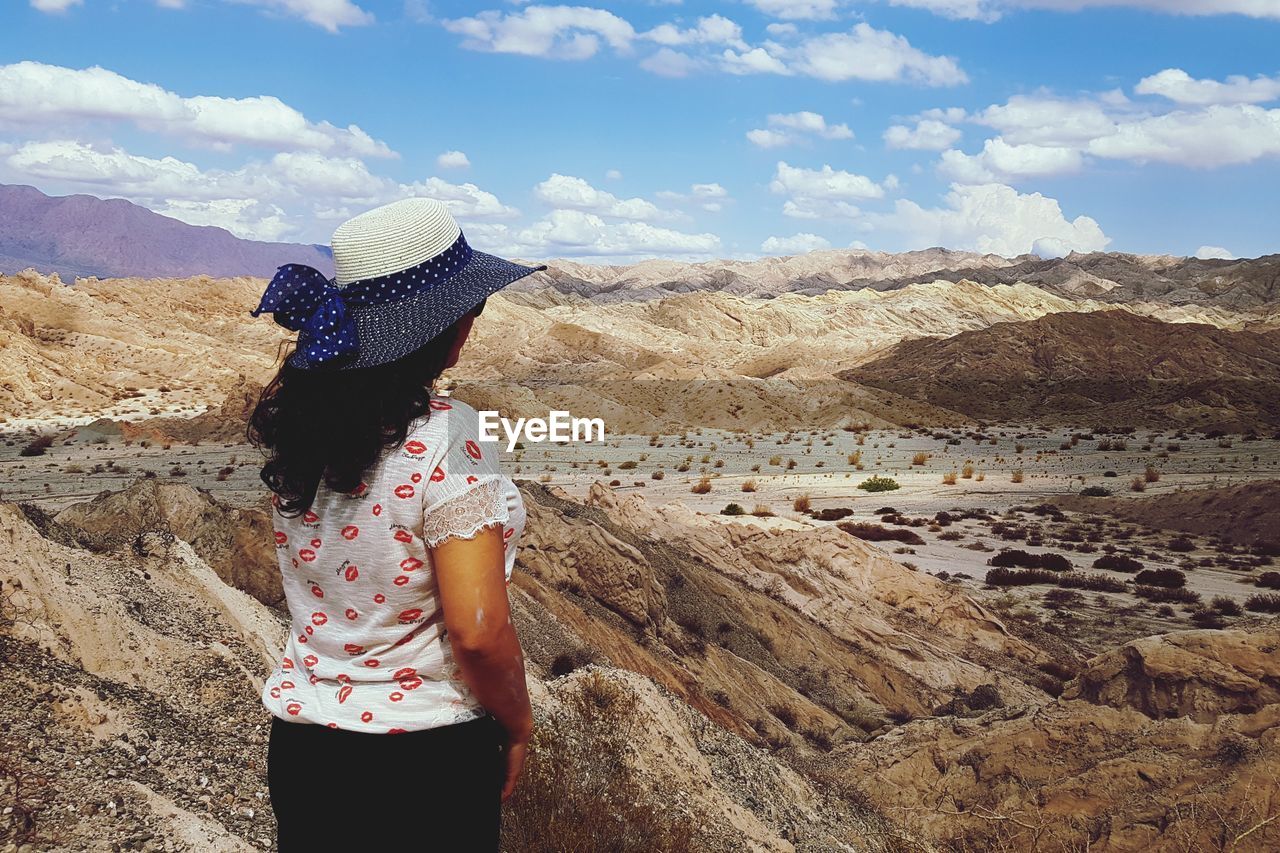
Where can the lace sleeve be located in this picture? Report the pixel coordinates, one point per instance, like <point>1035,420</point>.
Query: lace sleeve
<point>465,514</point>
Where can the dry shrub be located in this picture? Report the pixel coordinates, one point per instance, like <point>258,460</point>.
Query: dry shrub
<point>1016,477</point>
<point>702,486</point>
<point>801,504</point>
<point>578,793</point>
<point>748,485</point>
<point>967,472</point>
<point>949,478</point>
<point>920,459</point>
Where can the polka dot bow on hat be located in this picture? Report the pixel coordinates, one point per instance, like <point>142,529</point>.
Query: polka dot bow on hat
<point>405,273</point>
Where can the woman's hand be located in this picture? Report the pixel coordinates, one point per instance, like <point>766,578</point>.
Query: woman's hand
<point>514,752</point>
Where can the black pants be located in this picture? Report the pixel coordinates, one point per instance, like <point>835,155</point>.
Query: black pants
<point>435,789</point>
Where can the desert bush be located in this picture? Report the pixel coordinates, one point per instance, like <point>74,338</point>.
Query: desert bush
<point>1090,582</point>
<point>1167,578</point>
<point>1206,618</point>
<point>802,503</point>
<point>967,471</point>
<point>1016,476</point>
<point>1152,474</point>
<point>1014,558</point>
<point>879,484</point>
<point>949,478</point>
<point>748,485</point>
<point>567,662</point>
<point>733,509</point>
<point>879,533</point>
<point>657,475</point>
<point>1138,485</point>
<point>578,764</point>
<point>1269,580</point>
<point>225,472</point>
<point>1181,544</point>
<point>37,446</point>
<point>627,465</point>
<point>1160,594</point>
<point>701,487</point>
<point>1095,492</point>
<point>1263,603</point>
<point>1117,563</point>
<point>1020,577</point>
<point>784,714</point>
<point>762,511</point>
<point>1226,606</point>
<point>920,459</point>
<point>834,513</point>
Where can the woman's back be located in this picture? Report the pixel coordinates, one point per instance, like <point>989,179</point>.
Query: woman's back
<point>367,648</point>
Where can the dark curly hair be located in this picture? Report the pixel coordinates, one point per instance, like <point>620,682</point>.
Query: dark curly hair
<point>332,425</point>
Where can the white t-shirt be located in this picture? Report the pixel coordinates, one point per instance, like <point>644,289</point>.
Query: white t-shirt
<point>367,647</point>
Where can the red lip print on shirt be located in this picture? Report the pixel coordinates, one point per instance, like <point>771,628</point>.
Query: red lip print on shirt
<point>371,662</point>
<point>404,491</point>
<point>317,591</point>
<point>471,479</point>
<point>403,536</point>
<point>439,405</point>
<point>377,509</point>
<point>353,649</point>
<point>396,696</point>
<point>344,678</point>
<point>350,532</point>
<point>281,537</point>
<point>437,475</point>
<point>366,716</point>
<point>410,564</point>
<point>508,533</point>
<point>473,449</point>
<point>410,683</point>
<point>315,543</point>
<point>400,580</point>
<point>351,573</point>
<point>343,692</point>
<point>359,490</point>
<point>293,709</point>
<point>311,660</point>
<point>287,685</point>
<point>352,614</point>
<point>318,618</point>
<point>287,663</point>
<point>310,517</point>
<point>379,598</point>
<point>416,477</point>
<point>307,555</point>
<point>405,672</point>
<point>408,617</point>
<point>275,692</point>
<point>415,447</point>
<point>309,629</point>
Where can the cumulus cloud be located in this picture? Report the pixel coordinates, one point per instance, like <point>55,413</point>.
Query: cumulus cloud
<point>567,191</point>
<point>35,95</point>
<point>824,183</point>
<point>453,160</point>
<point>1179,86</point>
<point>613,175</point>
<point>990,218</point>
<point>553,32</point>
<point>1205,253</point>
<point>577,233</point>
<point>756,60</point>
<point>929,134</point>
<point>1000,161</point>
<point>865,53</point>
<point>666,62</point>
<point>991,10</point>
<point>789,128</point>
<point>798,9</point>
<point>328,14</point>
<point>54,6</point>
<point>796,244</point>
<point>712,29</point>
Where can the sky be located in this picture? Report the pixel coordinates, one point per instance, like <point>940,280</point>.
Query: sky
<point>626,130</point>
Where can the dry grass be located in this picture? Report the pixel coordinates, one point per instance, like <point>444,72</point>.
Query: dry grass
<point>802,503</point>
<point>1016,477</point>
<point>949,478</point>
<point>702,487</point>
<point>748,485</point>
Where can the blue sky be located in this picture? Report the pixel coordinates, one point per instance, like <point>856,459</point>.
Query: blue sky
<point>625,130</point>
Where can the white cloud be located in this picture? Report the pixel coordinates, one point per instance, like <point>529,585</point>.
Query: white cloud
<point>824,183</point>
<point>613,175</point>
<point>713,29</point>
<point>328,14</point>
<point>1205,253</point>
<point>796,244</point>
<point>757,60</point>
<point>566,191</point>
<point>928,135</point>
<point>465,201</point>
<point>35,95</point>
<point>1000,161</point>
<point>552,32</point>
<point>712,190</point>
<point>1046,120</point>
<point>54,6</point>
<point>1180,87</point>
<point>797,9</point>
<point>453,160</point>
<point>782,30</point>
<point>991,10</point>
<point>1219,135</point>
<point>579,233</point>
<point>990,218</point>
<point>666,62</point>
<point>865,53</point>
<point>788,128</point>
<point>245,218</point>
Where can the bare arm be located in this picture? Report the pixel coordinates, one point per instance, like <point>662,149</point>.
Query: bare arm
<point>477,615</point>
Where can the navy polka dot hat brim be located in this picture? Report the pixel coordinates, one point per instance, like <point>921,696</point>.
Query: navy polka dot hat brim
<point>387,331</point>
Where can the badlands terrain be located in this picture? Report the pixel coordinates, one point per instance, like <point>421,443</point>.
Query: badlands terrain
<point>1053,629</point>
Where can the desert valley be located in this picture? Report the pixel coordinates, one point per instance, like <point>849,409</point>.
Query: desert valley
<point>926,551</point>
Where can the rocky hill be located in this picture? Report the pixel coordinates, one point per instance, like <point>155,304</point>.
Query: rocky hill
<point>1107,367</point>
<point>82,236</point>
<point>734,686</point>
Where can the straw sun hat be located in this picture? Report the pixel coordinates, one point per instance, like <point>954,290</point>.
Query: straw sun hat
<point>405,273</point>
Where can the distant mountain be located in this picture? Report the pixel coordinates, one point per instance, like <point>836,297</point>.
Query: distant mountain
<point>80,235</point>
<point>1109,367</point>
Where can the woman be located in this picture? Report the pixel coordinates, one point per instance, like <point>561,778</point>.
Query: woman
<point>396,535</point>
